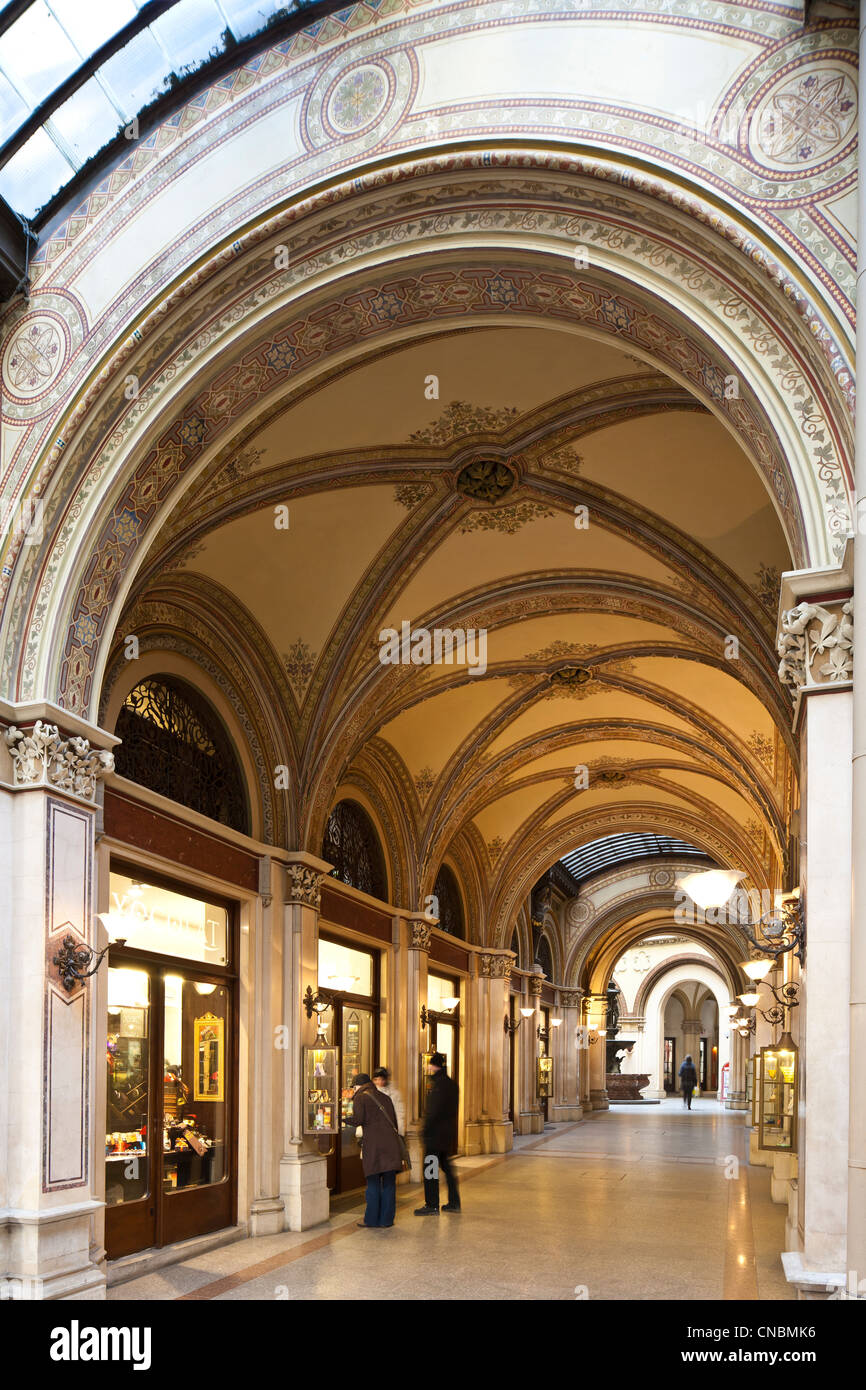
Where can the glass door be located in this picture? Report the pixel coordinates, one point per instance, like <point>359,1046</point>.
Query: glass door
<point>357,1035</point>
<point>129,1199</point>
<point>196,1106</point>
<point>171,1100</point>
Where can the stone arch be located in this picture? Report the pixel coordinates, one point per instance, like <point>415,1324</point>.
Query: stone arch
<point>706,973</point>
<point>111,524</point>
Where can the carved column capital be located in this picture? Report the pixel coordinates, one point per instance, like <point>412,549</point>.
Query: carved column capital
<point>44,757</point>
<point>420,933</point>
<point>536,985</point>
<point>496,965</point>
<point>816,645</point>
<point>570,998</point>
<point>304,885</point>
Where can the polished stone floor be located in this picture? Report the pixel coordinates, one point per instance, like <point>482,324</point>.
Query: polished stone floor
<point>627,1204</point>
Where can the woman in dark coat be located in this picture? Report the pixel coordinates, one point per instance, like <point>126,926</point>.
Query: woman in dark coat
<point>688,1080</point>
<point>381,1154</point>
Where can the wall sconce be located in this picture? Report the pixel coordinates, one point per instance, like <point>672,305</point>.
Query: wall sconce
<point>781,930</point>
<point>449,1003</point>
<point>317,1003</point>
<point>512,1025</point>
<point>72,958</point>
<point>544,1034</point>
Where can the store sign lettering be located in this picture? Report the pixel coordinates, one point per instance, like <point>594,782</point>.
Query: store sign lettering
<point>134,910</point>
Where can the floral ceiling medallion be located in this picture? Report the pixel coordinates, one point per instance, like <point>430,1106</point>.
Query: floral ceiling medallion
<point>570,677</point>
<point>486,480</point>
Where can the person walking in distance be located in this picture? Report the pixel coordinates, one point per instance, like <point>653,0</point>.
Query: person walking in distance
<point>440,1138</point>
<point>688,1080</point>
<point>381,1153</point>
<point>382,1082</point>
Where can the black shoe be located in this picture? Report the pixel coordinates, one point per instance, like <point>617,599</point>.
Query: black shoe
<point>364,1227</point>
<point>426,1211</point>
<point>451,1206</point>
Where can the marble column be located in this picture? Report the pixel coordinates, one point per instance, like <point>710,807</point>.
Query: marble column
<point>596,1016</point>
<point>566,1058</point>
<point>489,1130</point>
<point>267,1207</point>
<point>815,616</point>
<point>52,1029</point>
<point>303,1169</point>
<point>412,940</point>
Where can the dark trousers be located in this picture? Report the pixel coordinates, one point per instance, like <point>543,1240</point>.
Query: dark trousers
<point>431,1184</point>
<point>687,1097</point>
<point>381,1199</point>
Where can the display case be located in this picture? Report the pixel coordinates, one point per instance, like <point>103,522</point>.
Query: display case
<point>545,1078</point>
<point>753,1087</point>
<point>777,1086</point>
<point>321,1092</point>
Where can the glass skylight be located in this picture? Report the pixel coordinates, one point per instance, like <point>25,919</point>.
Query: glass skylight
<point>53,42</point>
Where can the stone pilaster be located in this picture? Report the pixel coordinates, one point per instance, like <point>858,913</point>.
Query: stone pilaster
<point>816,636</point>
<point>413,945</point>
<point>52,1028</point>
<point>488,1128</point>
<point>566,1058</point>
<point>303,1170</point>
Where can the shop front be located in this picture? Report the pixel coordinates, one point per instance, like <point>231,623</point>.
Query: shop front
<point>349,976</point>
<point>171,1054</point>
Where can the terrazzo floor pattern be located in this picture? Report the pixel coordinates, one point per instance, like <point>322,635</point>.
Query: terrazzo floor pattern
<point>627,1205</point>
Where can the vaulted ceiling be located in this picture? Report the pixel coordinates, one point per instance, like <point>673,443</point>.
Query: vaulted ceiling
<point>608,630</point>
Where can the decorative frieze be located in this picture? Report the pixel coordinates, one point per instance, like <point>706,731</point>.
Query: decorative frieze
<point>816,645</point>
<point>303,885</point>
<point>44,757</point>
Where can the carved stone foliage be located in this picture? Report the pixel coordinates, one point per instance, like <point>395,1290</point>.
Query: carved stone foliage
<point>495,966</point>
<point>536,985</point>
<point>816,645</point>
<point>303,885</point>
<point>570,998</point>
<point>419,935</point>
<point>45,757</point>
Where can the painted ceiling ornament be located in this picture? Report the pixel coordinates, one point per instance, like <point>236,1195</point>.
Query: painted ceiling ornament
<point>299,663</point>
<point>806,118</point>
<point>486,480</point>
<point>816,646</point>
<point>45,757</point>
<point>34,356</point>
<point>459,419</point>
<point>570,678</point>
<point>424,783</point>
<point>411,495</point>
<point>506,520</point>
<point>358,99</point>
<point>495,848</point>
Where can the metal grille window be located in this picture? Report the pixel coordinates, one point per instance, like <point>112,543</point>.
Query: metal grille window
<point>450,905</point>
<point>352,846</point>
<point>174,744</point>
<point>544,957</point>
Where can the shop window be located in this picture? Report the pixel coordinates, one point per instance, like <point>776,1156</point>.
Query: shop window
<point>170,1142</point>
<point>544,956</point>
<point>343,970</point>
<point>352,847</point>
<point>450,905</point>
<point>174,743</point>
<point>146,917</point>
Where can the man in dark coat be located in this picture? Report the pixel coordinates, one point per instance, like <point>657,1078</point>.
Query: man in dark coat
<point>440,1138</point>
<point>688,1081</point>
<point>381,1155</point>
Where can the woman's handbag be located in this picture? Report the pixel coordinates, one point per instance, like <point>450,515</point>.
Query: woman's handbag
<point>404,1147</point>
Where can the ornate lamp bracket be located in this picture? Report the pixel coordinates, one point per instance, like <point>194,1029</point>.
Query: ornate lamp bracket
<point>71,959</point>
<point>780,934</point>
